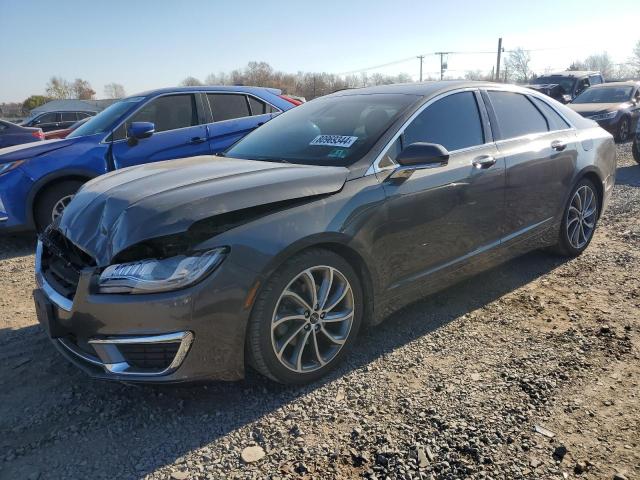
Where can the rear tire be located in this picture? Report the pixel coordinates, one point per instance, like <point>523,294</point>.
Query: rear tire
<point>289,339</point>
<point>579,219</point>
<point>52,200</point>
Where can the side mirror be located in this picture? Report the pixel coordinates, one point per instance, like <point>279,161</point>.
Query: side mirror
<point>419,156</point>
<point>139,130</point>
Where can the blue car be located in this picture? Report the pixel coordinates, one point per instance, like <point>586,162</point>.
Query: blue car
<point>37,181</point>
<point>12,134</point>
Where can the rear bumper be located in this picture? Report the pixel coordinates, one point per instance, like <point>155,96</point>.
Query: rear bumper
<point>205,325</point>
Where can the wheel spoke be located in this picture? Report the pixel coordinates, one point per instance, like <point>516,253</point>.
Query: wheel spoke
<point>297,355</point>
<point>337,317</point>
<point>325,288</point>
<point>288,318</point>
<point>337,341</point>
<point>589,224</point>
<point>311,285</point>
<point>297,298</point>
<point>316,349</point>
<point>345,289</point>
<point>288,340</point>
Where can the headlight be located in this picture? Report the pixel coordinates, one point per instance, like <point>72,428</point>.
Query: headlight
<point>604,116</point>
<point>150,276</point>
<point>5,167</point>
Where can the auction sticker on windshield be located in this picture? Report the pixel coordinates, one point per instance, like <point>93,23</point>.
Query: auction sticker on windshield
<point>334,141</point>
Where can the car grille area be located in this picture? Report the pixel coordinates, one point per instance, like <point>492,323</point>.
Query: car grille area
<point>149,356</point>
<point>62,262</point>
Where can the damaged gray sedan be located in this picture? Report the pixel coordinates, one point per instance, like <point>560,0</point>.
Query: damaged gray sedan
<point>319,223</point>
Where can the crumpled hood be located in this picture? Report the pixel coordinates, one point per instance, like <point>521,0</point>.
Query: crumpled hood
<point>587,109</point>
<point>34,149</point>
<point>126,207</point>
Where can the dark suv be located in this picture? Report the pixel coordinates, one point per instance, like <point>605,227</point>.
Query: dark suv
<point>48,121</point>
<point>565,86</point>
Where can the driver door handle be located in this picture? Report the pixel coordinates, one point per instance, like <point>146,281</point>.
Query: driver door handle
<point>484,161</point>
<point>558,145</point>
<point>197,140</point>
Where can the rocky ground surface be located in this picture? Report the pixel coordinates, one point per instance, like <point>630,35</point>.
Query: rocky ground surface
<point>531,370</point>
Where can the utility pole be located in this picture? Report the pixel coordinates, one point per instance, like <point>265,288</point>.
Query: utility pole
<point>421,57</point>
<point>497,77</point>
<point>443,65</point>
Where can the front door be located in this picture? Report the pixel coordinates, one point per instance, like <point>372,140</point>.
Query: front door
<point>441,216</point>
<point>179,132</point>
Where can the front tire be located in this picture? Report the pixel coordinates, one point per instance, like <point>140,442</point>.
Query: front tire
<point>579,219</point>
<point>305,318</point>
<point>52,201</point>
<point>623,130</point>
<point>636,150</point>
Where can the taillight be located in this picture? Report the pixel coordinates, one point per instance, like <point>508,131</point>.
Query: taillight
<point>39,134</point>
<point>291,100</point>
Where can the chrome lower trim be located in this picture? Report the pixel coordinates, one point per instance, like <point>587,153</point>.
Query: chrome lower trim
<point>72,349</point>
<point>4,219</point>
<point>113,362</point>
<point>57,299</point>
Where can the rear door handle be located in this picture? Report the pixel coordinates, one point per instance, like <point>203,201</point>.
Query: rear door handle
<point>558,145</point>
<point>197,140</point>
<point>484,161</point>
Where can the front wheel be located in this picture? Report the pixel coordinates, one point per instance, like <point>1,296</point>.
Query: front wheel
<point>305,318</point>
<point>52,201</point>
<point>636,150</point>
<point>579,219</point>
<point>623,130</point>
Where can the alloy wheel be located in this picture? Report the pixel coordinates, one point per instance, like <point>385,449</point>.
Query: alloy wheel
<point>59,207</point>
<point>581,217</point>
<point>312,319</point>
<point>624,130</point>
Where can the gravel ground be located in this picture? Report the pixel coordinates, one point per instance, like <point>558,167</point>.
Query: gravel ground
<point>530,370</point>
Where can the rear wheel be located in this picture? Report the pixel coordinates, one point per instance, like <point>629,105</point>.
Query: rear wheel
<point>579,219</point>
<point>52,201</point>
<point>306,318</point>
<point>623,130</point>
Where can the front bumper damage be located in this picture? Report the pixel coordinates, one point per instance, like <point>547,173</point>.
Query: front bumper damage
<point>186,335</point>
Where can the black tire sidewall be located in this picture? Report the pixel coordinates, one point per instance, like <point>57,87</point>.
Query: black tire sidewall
<point>48,198</point>
<point>261,354</point>
<point>636,150</point>
<point>565,244</point>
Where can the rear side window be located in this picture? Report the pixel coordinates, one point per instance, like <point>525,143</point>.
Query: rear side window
<point>516,115</point>
<point>556,122</point>
<point>68,116</point>
<point>82,115</point>
<point>453,122</point>
<point>48,118</point>
<point>258,107</point>
<point>227,106</point>
<point>169,112</point>
<point>595,79</point>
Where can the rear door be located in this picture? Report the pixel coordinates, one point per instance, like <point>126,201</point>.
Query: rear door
<point>440,216</point>
<point>233,116</point>
<point>47,122</point>
<point>179,132</point>
<point>67,119</point>
<point>540,151</point>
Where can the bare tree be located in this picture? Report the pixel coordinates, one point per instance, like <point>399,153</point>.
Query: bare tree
<point>517,64</point>
<point>477,75</point>
<point>114,90</point>
<point>190,82</point>
<point>82,90</point>
<point>59,88</point>
<point>634,61</point>
<point>600,62</point>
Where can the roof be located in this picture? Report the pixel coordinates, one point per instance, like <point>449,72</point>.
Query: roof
<point>425,88</point>
<point>213,88</point>
<point>572,73</point>
<point>628,83</point>
<point>72,105</point>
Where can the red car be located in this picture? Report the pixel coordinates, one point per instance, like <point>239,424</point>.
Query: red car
<point>63,132</point>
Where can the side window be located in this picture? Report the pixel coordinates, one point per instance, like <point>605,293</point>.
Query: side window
<point>595,79</point>
<point>48,118</point>
<point>516,115</point>
<point>453,122</point>
<point>258,107</point>
<point>168,113</point>
<point>68,116</point>
<point>82,115</point>
<point>226,106</point>
<point>556,122</point>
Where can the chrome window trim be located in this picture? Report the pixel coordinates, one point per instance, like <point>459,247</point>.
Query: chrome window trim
<point>104,139</point>
<point>58,300</point>
<point>375,165</point>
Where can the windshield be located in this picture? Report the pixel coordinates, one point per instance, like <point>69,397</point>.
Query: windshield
<point>326,131</point>
<point>565,83</point>
<point>605,95</point>
<point>104,121</point>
